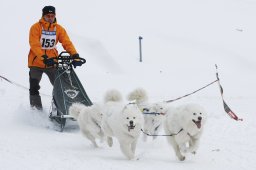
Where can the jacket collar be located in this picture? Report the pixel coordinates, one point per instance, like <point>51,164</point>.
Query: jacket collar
<point>47,25</point>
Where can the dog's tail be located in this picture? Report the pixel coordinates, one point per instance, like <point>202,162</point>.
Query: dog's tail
<point>113,95</point>
<point>139,95</point>
<point>75,109</point>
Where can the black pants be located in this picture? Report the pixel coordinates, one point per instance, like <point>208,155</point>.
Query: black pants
<point>35,76</point>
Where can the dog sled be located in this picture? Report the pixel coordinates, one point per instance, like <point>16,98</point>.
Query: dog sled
<point>67,89</point>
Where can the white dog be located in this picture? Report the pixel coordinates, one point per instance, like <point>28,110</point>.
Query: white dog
<point>153,119</point>
<point>185,125</point>
<point>154,113</point>
<point>89,120</point>
<point>123,122</point>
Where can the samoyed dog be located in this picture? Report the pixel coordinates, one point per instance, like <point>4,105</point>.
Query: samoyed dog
<point>121,121</point>
<point>185,125</point>
<point>154,113</point>
<point>89,119</point>
<point>154,117</point>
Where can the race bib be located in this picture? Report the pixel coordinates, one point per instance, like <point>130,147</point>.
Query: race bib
<point>48,39</point>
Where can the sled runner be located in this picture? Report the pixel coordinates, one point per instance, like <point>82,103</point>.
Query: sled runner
<point>67,89</point>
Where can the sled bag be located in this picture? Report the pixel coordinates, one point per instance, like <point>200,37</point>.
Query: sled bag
<point>67,89</point>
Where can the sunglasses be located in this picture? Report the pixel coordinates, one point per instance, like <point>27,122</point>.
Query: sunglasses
<point>50,15</point>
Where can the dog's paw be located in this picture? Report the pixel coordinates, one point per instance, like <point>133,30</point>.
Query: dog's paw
<point>131,157</point>
<point>191,150</point>
<point>110,141</point>
<point>95,144</point>
<point>182,158</point>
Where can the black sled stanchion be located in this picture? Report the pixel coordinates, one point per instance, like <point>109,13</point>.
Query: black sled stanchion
<point>67,89</point>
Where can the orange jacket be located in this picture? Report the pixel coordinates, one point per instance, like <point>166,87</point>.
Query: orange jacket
<point>36,51</point>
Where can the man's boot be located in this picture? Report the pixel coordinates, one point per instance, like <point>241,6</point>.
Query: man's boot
<point>35,102</point>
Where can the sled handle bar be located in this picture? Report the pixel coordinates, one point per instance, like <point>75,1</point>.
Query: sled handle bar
<point>65,58</point>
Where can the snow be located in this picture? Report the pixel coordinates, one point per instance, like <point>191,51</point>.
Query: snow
<point>182,42</point>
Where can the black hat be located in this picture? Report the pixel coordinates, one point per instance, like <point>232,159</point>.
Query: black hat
<point>48,10</point>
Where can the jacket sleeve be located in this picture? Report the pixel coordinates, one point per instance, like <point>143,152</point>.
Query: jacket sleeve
<point>66,42</point>
<point>34,40</point>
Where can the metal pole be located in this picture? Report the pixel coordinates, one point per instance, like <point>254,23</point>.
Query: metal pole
<point>140,38</point>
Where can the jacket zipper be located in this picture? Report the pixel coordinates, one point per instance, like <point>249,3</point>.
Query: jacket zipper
<point>48,30</point>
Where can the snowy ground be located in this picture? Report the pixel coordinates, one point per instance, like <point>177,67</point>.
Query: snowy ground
<point>29,140</point>
<point>182,40</point>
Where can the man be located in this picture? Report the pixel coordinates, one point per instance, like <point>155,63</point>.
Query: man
<point>43,37</point>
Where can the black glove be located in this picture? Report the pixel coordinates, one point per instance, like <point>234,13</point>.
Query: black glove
<point>48,61</point>
<point>77,63</point>
<point>75,56</point>
<point>44,57</point>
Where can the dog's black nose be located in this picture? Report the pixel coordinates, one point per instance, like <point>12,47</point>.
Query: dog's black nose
<point>199,118</point>
<point>131,122</point>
